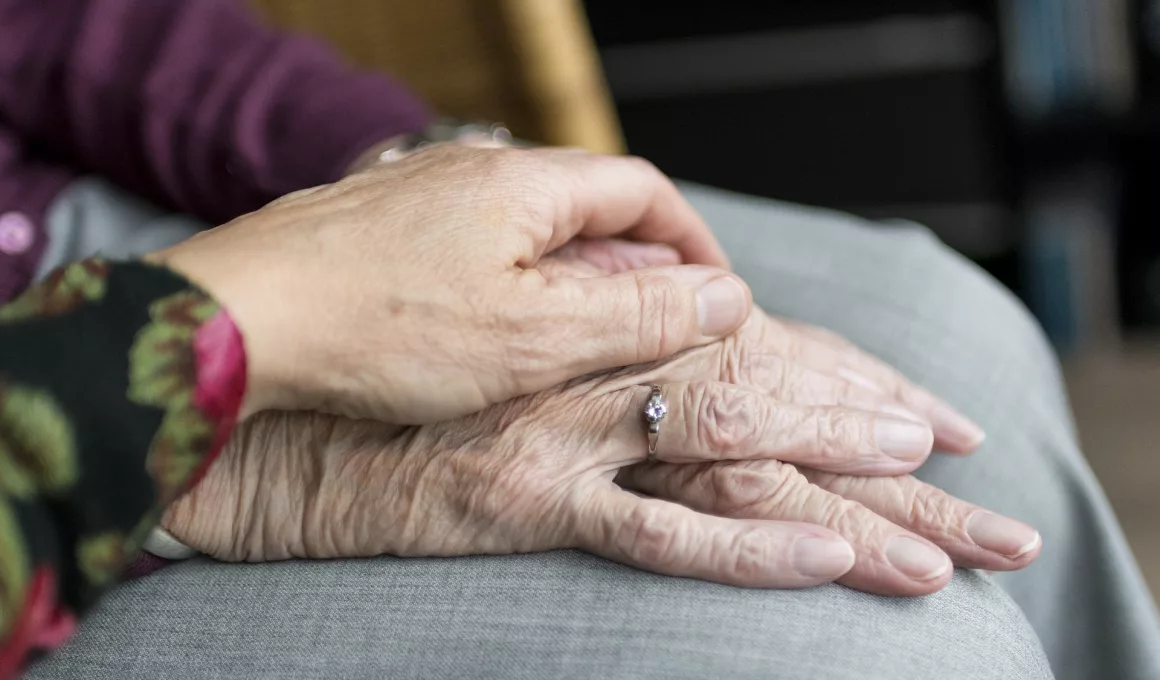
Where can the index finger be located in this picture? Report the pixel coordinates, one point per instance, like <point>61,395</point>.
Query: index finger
<point>629,197</point>
<point>828,352</point>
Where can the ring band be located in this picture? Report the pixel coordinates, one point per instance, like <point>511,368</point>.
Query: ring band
<point>655,411</point>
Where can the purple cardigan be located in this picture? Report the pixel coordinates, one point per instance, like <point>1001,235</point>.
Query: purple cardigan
<point>190,103</point>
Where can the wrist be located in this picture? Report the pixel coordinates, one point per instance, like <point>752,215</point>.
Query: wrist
<point>443,131</point>
<point>260,381</point>
<point>238,512</point>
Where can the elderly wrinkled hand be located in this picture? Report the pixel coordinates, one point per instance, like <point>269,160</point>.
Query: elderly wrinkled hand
<point>792,361</point>
<point>760,481</point>
<point>410,292</point>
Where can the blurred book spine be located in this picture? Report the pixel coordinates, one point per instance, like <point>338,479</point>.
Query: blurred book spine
<point>1067,55</point>
<point>1071,79</point>
<point>1070,265</point>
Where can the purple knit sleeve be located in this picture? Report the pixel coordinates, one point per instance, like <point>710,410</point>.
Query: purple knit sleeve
<point>27,189</point>
<point>191,103</point>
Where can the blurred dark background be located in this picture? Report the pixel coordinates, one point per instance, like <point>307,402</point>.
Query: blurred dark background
<point>1024,132</point>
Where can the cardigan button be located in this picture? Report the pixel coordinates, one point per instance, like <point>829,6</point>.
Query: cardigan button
<point>16,233</point>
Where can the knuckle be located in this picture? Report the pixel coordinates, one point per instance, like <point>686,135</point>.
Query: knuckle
<point>828,481</point>
<point>839,514</point>
<point>793,497</point>
<point>727,424</point>
<point>849,518</point>
<point>755,489</point>
<point>799,496</point>
<point>663,326</point>
<point>649,536</point>
<point>838,434</point>
<point>932,512</point>
<point>751,554</point>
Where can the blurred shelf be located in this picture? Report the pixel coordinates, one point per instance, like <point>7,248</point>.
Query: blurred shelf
<point>1025,133</point>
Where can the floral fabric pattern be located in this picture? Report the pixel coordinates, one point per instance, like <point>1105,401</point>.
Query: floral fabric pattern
<point>163,373</point>
<point>84,473</point>
<point>37,450</point>
<point>64,290</point>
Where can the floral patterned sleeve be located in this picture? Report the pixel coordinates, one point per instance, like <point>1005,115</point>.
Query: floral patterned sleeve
<point>119,383</point>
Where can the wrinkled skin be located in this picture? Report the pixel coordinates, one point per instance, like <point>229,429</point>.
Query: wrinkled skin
<point>550,471</point>
<point>357,297</point>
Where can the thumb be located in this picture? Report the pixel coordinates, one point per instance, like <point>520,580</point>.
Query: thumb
<point>645,314</point>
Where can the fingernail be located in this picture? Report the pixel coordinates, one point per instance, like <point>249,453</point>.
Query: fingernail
<point>819,557</point>
<point>722,305</point>
<point>917,560</point>
<point>954,426</point>
<point>903,439</point>
<point>1002,535</point>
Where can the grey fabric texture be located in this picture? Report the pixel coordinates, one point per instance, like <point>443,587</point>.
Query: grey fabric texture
<point>556,615</point>
<point>894,290</point>
<point>93,217</point>
<point>899,293</point>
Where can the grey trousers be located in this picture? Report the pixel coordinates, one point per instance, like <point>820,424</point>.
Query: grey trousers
<point>1082,611</point>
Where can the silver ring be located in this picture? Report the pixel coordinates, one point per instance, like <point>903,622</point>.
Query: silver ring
<point>655,410</point>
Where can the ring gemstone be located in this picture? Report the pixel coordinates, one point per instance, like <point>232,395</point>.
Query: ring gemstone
<point>656,409</point>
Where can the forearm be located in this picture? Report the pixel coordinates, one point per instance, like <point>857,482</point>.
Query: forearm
<point>118,385</point>
<point>192,103</point>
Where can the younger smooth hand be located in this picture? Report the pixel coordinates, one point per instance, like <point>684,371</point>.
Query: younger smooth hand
<point>411,292</point>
